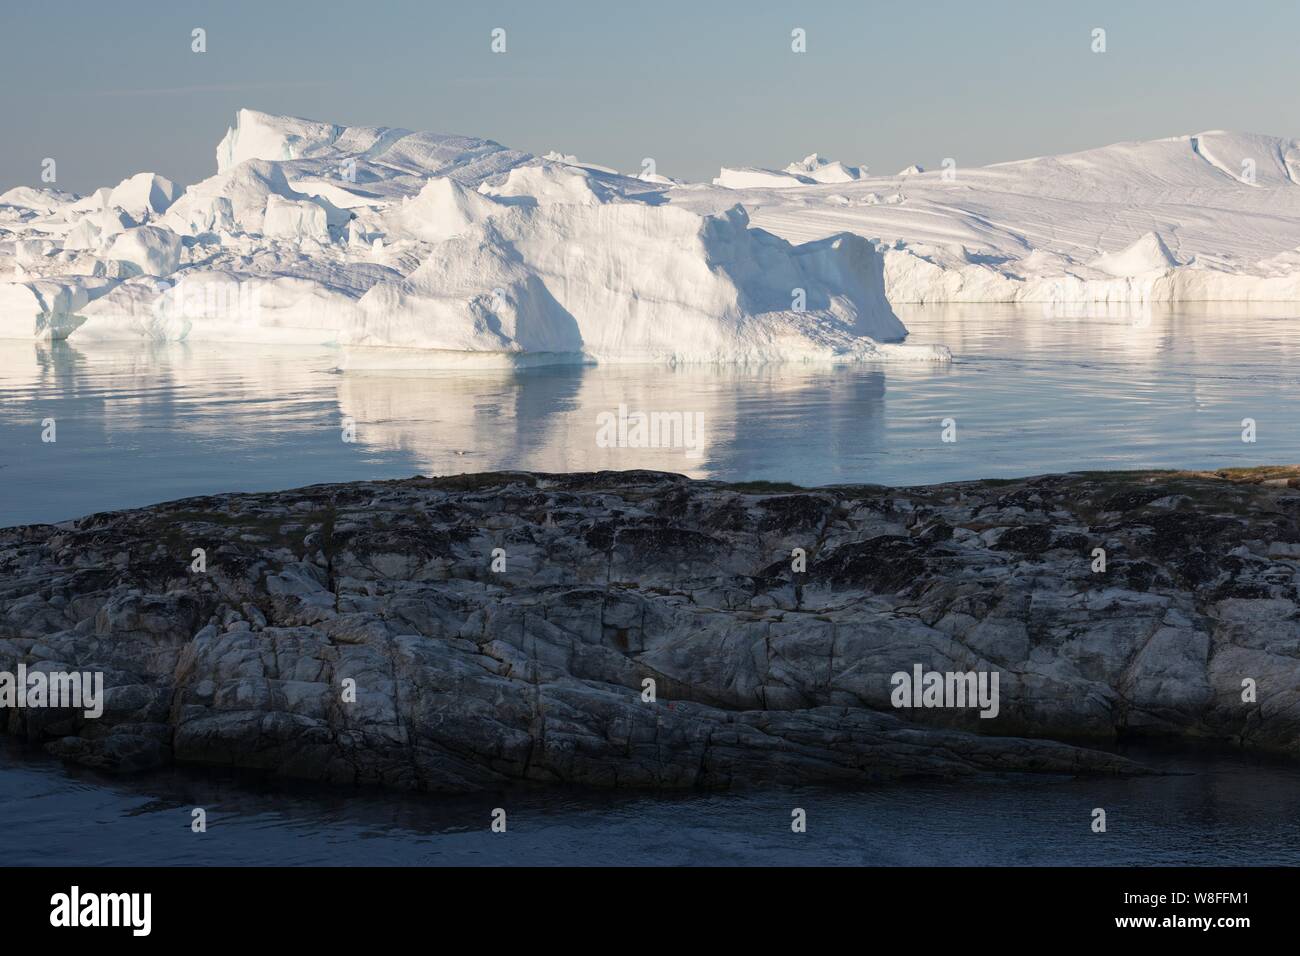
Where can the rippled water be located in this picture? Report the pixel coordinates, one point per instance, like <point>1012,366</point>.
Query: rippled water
<point>1219,809</point>
<point>1029,394</point>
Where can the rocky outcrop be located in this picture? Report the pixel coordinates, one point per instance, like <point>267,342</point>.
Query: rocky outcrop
<point>461,633</point>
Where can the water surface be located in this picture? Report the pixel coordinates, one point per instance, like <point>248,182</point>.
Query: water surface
<point>1029,393</point>
<point>1222,809</point>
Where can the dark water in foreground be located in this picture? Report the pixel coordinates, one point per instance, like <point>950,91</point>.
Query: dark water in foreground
<point>1225,809</point>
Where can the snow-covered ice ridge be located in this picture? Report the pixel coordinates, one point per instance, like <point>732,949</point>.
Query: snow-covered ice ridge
<point>424,250</point>
<point>1212,216</point>
<point>417,250</point>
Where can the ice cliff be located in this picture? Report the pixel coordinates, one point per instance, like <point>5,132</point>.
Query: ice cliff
<point>418,249</point>
<point>1211,216</point>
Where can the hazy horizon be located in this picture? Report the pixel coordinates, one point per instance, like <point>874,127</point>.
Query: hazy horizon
<point>695,88</point>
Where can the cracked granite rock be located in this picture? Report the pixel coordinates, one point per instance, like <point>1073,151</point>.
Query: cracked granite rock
<point>466,677</point>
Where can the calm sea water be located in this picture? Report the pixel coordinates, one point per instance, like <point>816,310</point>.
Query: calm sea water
<point>1029,394</point>
<point>1216,809</point>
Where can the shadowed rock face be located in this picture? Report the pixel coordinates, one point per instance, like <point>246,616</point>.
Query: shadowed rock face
<point>468,678</point>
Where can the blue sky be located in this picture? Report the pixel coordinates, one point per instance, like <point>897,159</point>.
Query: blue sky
<point>109,89</point>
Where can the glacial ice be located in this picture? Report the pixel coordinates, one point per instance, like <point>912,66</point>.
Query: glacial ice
<point>752,177</point>
<point>143,196</point>
<point>631,282</point>
<point>419,250</point>
<point>549,185</point>
<point>147,250</point>
<point>826,170</point>
<point>294,219</point>
<point>1072,229</point>
<point>1145,254</point>
<point>810,170</point>
<point>25,200</point>
<point>442,209</point>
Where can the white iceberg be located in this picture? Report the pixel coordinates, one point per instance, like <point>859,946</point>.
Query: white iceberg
<point>294,219</point>
<point>442,209</point>
<point>1148,253</point>
<point>1067,229</point>
<point>423,249</point>
<point>812,170</point>
<point>148,250</point>
<point>143,196</point>
<point>31,200</point>
<point>549,184</point>
<point>84,235</point>
<point>625,282</point>
<point>821,170</point>
<point>419,250</point>
<point>753,177</point>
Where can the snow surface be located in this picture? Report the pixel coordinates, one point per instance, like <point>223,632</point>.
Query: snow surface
<point>751,177</point>
<point>418,250</point>
<point>1167,220</point>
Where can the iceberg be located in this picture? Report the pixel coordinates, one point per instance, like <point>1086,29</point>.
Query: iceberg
<point>147,250</point>
<point>26,200</point>
<point>143,196</point>
<point>295,219</point>
<point>809,171</point>
<point>627,282</point>
<point>551,184</point>
<point>822,170</point>
<point>753,177</point>
<point>418,250</point>
<point>1212,216</point>
<point>1148,253</point>
<point>442,209</point>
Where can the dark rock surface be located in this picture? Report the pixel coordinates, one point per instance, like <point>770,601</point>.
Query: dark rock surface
<point>469,678</point>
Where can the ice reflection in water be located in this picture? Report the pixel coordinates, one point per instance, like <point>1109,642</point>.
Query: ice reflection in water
<point>1030,392</point>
